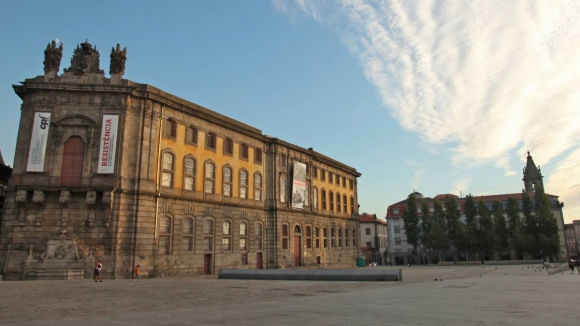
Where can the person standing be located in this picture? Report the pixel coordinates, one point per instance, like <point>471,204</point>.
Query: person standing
<point>97,273</point>
<point>137,271</point>
<point>571,265</point>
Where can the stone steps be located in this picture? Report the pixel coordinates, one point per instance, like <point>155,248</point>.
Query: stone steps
<point>56,274</point>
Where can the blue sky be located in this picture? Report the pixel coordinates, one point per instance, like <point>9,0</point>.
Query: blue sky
<point>433,96</point>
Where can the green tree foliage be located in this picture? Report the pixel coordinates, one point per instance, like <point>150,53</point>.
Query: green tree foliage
<point>437,235</point>
<point>548,239</point>
<point>500,228</point>
<point>516,233</point>
<point>454,226</point>
<point>485,231</point>
<point>471,227</point>
<point>530,225</point>
<point>425,227</point>
<point>411,220</point>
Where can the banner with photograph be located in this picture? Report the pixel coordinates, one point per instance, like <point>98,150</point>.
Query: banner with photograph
<point>108,145</point>
<point>298,185</point>
<point>38,142</point>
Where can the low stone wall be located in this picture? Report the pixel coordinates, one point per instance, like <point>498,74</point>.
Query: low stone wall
<point>468,263</point>
<point>514,262</point>
<point>359,274</point>
<point>445,263</point>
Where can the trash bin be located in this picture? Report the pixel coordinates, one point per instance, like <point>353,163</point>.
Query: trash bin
<point>361,262</point>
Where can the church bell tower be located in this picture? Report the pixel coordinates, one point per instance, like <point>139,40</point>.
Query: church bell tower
<point>532,175</point>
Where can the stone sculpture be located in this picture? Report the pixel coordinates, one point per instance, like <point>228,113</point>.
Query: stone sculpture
<point>52,56</point>
<point>118,59</point>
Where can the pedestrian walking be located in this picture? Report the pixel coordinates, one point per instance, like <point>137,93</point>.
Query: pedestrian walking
<point>97,273</point>
<point>137,271</point>
<point>571,265</point>
<point>577,264</point>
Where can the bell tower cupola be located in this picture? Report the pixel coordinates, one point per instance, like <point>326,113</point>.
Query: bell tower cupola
<point>532,175</point>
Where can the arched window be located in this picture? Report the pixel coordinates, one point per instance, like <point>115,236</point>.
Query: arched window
<point>164,235</point>
<point>285,236</point>
<point>191,135</point>
<point>170,128</point>
<point>331,201</point>
<point>188,234</point>
<point>282,189</point>
<point>309,237</point>
<point>189,172</point>
<point>227,236</point>
<point>315,198</point>
<point>323,195</point>
<point>257,187</point>
<point>73,158</point>
<point>228,146</point>
<point>209,182</point>
<point>227,181</point>
<point>208,228</point>
<point>210,140</point>
<point>168,169</point>
<point>243,184</point>
<point>338,202</point>
<point>344,203</point>
<point>244,151</point>
<point>259,235</point>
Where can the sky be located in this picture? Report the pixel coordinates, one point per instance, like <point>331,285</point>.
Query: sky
<point>429,96</point>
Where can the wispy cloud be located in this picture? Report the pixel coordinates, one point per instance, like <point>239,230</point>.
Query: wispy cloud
<point>461,186</point>
<point>490,79</point>
<point>563,181</point>
<point>416,181</point>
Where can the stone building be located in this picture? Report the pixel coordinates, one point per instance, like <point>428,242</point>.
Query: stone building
<point>573,238</point>
<point>402,252</point>
<point>106,168</point>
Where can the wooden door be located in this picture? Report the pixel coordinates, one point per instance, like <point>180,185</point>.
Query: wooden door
<point>259,260</point>
<point>207,264</point>
<point>73,156</point>
<point>297,251</point>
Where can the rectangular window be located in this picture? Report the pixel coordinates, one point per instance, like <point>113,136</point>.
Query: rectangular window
<point>188,244</point>
<point>243,245</point>
<point>244,258</point>
<point>283,160</point>
<point>322,175</point>
<point>398,241</point>
<point>330,177</point>
<point>284,243</point>
<point>226,244</point>
<point>207,243</point>
<point>351,184</point>
<point>395,211</point>
<point>258,155</point>
<point>163,245</point>
<point>315,171</point>
<point>368,231</point>
<point>369,245</point>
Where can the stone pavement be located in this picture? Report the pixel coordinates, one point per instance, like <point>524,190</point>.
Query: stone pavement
<point>469,295</point>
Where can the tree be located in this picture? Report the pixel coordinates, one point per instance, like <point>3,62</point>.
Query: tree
<point>471,229</point>
<point>548,239</point>
<point>454,229</point>
<point>437,235</point>
<point>411,220</point>
<point>530,225</point>
<point>500,228</point>
<point>516,233</point>
<point>425,227</point>
<point>485,231</point>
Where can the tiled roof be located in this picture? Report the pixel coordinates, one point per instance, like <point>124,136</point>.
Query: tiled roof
<point>366,218</point>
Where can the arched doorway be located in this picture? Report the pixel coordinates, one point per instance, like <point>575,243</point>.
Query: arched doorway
<point>297,246</point>
<point>73,156</point>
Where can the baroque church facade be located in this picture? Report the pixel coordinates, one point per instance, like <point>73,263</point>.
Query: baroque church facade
<point>113,170</point>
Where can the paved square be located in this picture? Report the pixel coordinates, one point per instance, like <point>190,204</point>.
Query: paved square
<point>502,295</point>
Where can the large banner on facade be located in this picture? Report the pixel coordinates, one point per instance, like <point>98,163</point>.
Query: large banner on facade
<point>108,145</point>
<point>38,142</point>
<point>299,185</point>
